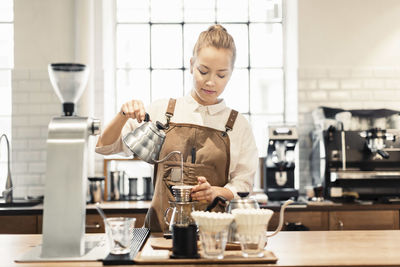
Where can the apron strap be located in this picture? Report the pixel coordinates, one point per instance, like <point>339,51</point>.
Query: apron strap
<point>231,121</point>
<point>170,110</point>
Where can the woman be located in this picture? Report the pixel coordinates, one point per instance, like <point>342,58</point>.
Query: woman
<point>219,152</point>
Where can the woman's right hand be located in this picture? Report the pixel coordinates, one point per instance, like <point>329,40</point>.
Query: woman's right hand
<point>133,109</point>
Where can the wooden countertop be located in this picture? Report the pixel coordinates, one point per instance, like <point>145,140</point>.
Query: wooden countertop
<point>317,248</point>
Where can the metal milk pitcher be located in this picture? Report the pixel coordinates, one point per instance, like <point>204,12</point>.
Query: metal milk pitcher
<point>146,140</point>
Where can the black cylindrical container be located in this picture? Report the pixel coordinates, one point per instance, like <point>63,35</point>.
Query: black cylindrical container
<point>147,188</point>
<point>184,242</point>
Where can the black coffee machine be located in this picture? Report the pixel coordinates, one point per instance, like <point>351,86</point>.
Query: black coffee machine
<point>360,160</point>
<point>280,180</point>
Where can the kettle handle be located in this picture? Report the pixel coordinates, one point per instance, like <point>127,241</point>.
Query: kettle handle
<point>215,202</point>
<point>146,117</point>
<point>281,213</point>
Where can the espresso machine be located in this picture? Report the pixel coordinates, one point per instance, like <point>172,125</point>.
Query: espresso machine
<point>358,158</point>
<point>280,179</point>
<point>64,210</point>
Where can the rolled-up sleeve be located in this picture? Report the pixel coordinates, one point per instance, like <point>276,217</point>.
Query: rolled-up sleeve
<point>118,146</point>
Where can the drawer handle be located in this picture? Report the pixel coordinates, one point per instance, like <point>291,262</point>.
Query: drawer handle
<point>340,225</point>
<point>95,226</point>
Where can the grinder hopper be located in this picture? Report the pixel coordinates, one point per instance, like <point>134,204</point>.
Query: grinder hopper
<point>69,81</point>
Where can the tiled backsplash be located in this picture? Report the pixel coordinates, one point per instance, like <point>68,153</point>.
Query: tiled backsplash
<point>345,87</point>
<point>35,103</point>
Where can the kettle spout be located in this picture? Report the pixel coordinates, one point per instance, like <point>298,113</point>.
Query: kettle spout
<point>281,216</point>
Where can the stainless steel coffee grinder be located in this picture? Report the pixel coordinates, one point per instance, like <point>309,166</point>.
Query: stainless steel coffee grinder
<point>66,174</point>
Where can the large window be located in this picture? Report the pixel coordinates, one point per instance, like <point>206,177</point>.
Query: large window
<point>6,64</point>
<point>155,39</point>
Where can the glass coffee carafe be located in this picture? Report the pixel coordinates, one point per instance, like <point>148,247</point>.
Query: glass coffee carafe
<point>181,224</point>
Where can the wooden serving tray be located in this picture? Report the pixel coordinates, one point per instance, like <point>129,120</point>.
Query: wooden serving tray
<point>230,256</point>
<point>163,243</point>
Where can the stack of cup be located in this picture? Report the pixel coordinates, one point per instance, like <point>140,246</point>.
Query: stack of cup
<point>213,229</point>
<point>251,227</point>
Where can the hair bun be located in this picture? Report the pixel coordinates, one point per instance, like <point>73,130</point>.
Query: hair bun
<point>217,27</point>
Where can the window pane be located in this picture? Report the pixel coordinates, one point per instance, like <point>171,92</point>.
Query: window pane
<point>232,10</point>
<point>6,10</point>
<point>5,89</point>
<point>266,45</point>
<point>6,45</point>
<point>191,33</point>
<point>166,11</point>
<point>133,11</point>
<point>266,90</point>
<point>239,33</point>
<point>199,11</point>
<point>133,84</point>
<point>133,46</point>
<point>166,46</point>
<point>167,84</point>
<point>265,10</point>
<point>236,92</point>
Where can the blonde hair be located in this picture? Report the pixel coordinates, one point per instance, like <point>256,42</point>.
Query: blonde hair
<point>215,36</point>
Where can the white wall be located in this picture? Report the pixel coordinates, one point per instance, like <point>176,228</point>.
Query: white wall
<point>45,31</point>
<point>349,33</point>
<point>349,57</point>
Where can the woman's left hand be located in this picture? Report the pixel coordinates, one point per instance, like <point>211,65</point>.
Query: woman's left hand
<point>204,191</point>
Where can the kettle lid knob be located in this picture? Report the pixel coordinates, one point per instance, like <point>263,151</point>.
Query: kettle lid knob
<point>243,194</point>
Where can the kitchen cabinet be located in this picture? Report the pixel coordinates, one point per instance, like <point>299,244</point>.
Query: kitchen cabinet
<point>364,220</point>
<point>314,220</point>
<point>18,224</point>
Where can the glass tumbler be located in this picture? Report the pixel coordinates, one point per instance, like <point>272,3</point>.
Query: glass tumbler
<point>119,234</point>
<point>252,243</point>
<point>213,243</point>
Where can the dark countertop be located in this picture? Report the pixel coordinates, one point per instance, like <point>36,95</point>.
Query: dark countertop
<point>142,207</point>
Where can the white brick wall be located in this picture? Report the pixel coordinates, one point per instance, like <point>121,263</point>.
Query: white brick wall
<point>34,104</point>
<point>343,87</point>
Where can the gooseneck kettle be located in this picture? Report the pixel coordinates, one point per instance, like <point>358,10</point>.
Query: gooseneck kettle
<point>146,140</point>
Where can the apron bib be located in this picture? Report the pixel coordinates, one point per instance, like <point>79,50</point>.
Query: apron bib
<point>205,151</point>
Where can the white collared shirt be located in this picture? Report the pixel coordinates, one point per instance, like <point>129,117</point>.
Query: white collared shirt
<point>243,150</point>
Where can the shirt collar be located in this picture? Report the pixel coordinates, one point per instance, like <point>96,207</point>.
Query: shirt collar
<point>211,109</point>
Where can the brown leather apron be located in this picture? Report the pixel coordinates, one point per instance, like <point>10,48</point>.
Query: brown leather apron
<point>205,151</point>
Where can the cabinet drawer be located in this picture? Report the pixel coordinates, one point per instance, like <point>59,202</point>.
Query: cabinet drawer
<point>314,220</point>
<point>364,220</point>
<point>18,224</point>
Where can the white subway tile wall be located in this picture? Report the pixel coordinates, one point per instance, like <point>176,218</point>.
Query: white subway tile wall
<point>342,87</point>
<point>34,104</point>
